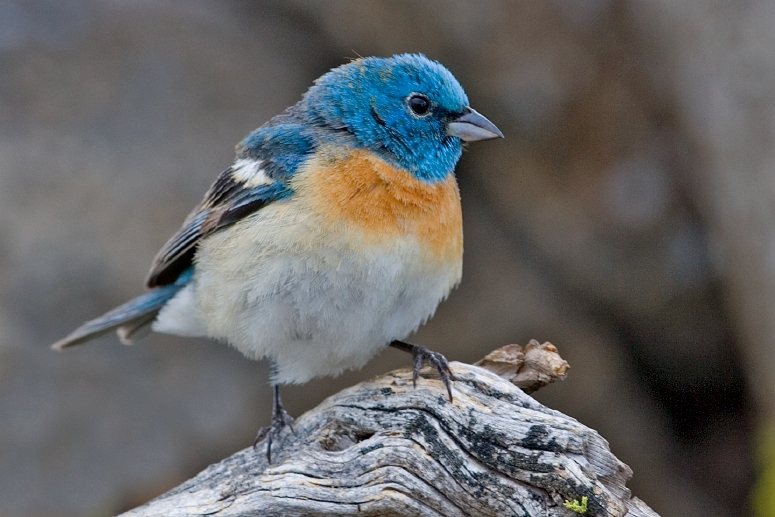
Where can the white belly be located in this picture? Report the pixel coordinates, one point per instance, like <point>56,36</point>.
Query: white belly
<point>315,304</point>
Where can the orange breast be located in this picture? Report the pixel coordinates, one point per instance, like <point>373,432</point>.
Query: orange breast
<point>361,191</point>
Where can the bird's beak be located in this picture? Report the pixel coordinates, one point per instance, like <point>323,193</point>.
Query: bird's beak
<point>471,126</point>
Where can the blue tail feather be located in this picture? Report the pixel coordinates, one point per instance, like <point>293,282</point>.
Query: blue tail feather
<point>133,314</point>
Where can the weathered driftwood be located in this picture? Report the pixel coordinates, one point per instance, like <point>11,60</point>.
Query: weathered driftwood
<point>385,448</point>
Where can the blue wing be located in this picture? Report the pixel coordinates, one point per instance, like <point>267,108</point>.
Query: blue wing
<point>266,159</point>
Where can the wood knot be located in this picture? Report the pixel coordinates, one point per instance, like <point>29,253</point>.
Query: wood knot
<point>335,437</point>
<point>529,368</point>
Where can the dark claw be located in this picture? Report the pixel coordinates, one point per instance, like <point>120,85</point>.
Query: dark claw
<point>280,419</point>
<point>421,355</point>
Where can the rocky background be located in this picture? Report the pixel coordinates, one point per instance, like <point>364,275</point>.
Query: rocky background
<point>628,217</point>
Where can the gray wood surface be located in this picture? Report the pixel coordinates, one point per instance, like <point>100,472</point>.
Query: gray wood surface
<point>384,448</point>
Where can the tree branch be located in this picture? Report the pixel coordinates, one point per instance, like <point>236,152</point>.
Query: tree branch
<point>384,448</point>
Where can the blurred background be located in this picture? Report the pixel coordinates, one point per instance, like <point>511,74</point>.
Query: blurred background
<point>628,217</point>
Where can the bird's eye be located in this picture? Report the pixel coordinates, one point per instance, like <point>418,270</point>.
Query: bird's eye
<point>419,104</point>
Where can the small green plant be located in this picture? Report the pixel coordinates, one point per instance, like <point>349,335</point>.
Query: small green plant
<point>578,506</point>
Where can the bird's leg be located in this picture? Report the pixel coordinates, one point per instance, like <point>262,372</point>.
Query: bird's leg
<point>280,418</point>
<point>421,355</point>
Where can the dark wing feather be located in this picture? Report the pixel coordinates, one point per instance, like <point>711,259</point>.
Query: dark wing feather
<point>224,204</point>
<point>176,255</point>
<point>278,149</point>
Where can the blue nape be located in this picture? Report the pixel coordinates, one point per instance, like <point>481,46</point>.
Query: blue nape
<point>284,145</point>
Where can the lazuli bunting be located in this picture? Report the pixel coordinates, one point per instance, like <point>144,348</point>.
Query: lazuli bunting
<point>335,233</point>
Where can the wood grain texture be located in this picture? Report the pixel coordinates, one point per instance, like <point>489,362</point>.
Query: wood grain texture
<point>383,448</point>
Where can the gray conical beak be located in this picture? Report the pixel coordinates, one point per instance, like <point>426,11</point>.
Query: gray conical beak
<point>471,126</point>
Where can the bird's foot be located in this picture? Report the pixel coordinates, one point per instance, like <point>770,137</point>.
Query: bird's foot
<point>280,419</point>
<point>422,355</point>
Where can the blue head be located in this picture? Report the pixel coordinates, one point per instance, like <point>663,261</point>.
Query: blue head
<point>407,108</point>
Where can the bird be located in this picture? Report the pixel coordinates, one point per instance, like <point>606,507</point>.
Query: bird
<point>335,233</point>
